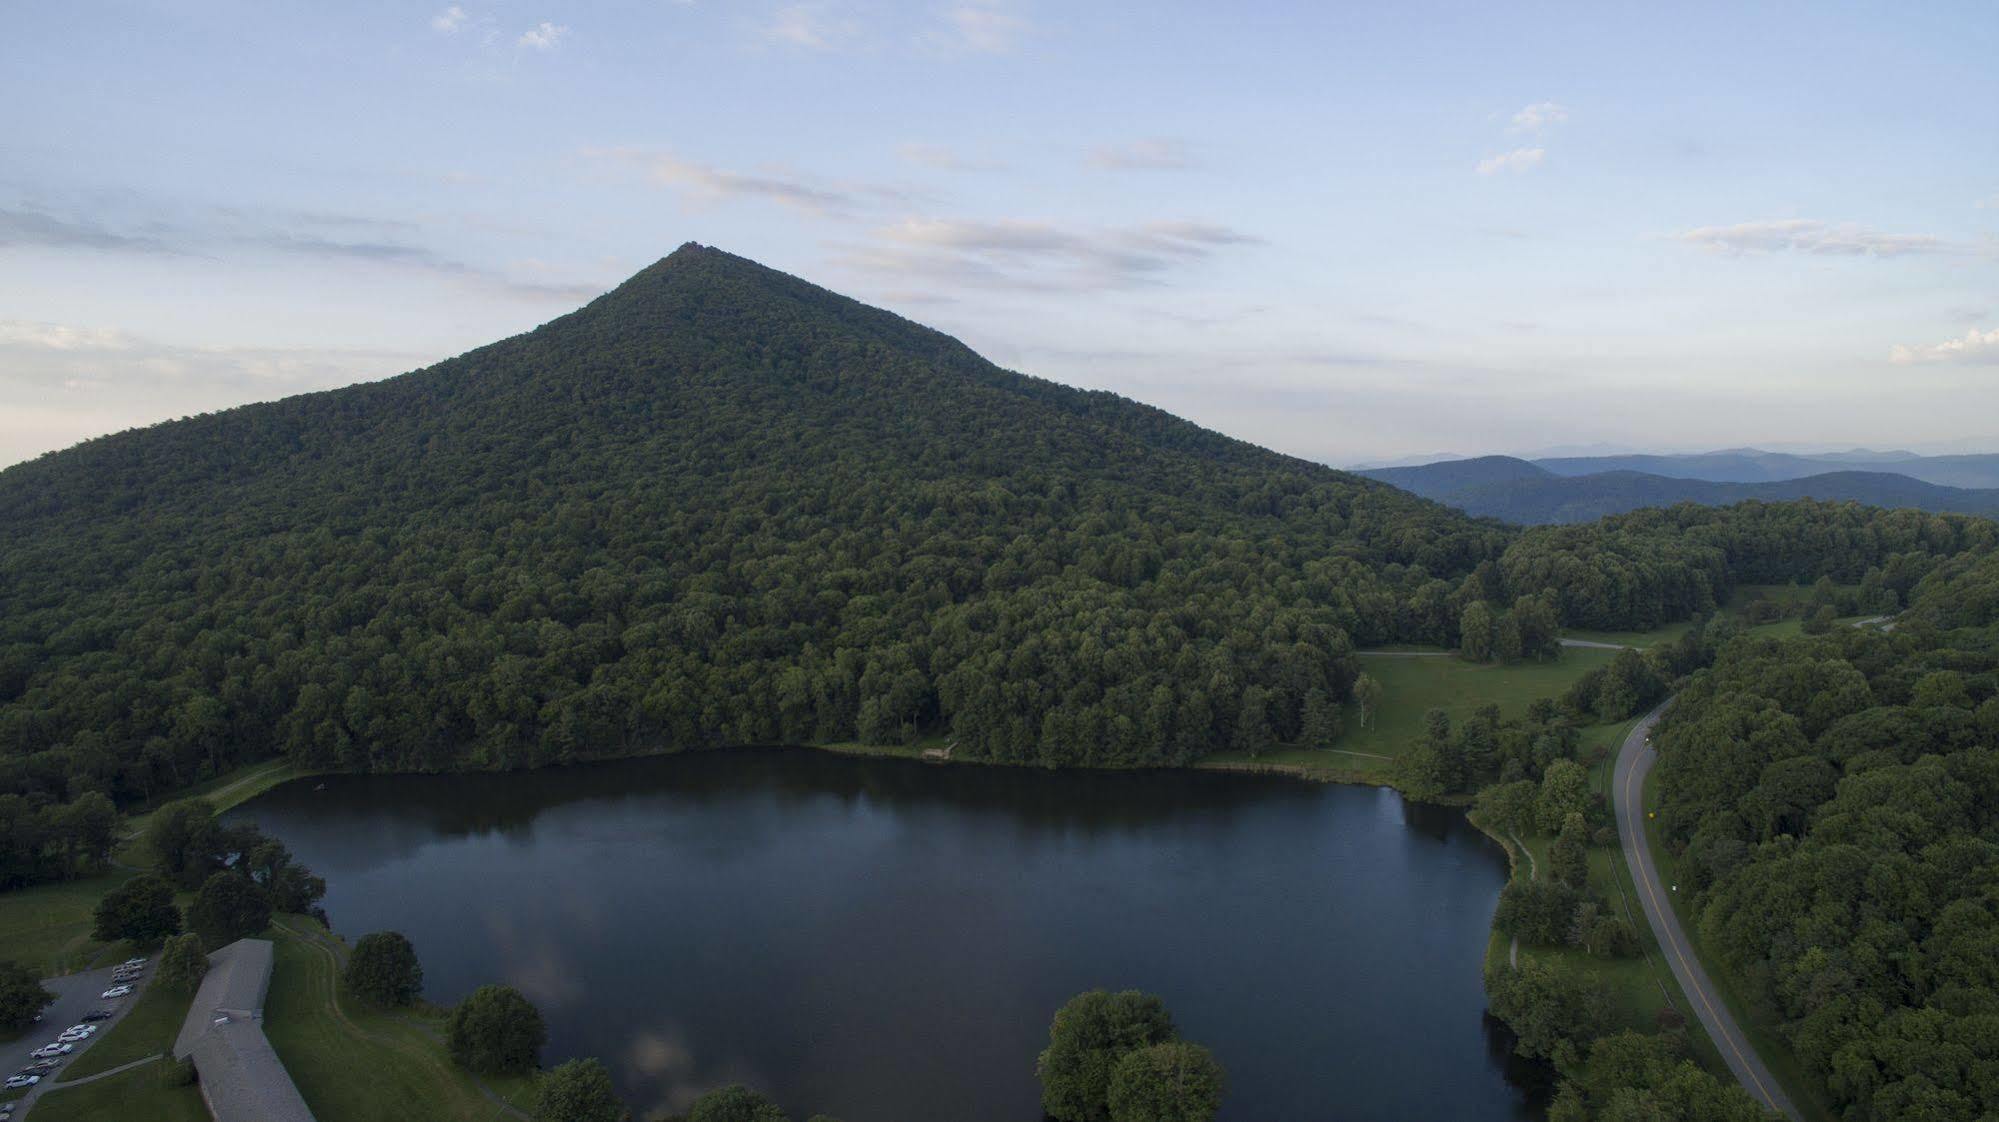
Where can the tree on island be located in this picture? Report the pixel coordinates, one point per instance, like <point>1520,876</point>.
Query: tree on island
<point>228,907</point>
<point>577,1091</point>
<point>1114,1057</point>
<point>182,965</point>
<point>21,997</point>
<point>384,969</point>
<point>734,1103</point>
<point>1171,1082</point>
<point>141,910</point>
<point>496,1031</point>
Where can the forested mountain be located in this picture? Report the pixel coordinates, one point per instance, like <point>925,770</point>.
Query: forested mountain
<point>721,505</point>
<point>1522,492</point>
<point>1753,465</point>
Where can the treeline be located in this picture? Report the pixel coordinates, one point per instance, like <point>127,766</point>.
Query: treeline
<point>1835,803</point>
<point>721,506</point>
<point>42,840</point>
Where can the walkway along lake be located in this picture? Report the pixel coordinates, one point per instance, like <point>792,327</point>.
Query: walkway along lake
<point>885,941</point>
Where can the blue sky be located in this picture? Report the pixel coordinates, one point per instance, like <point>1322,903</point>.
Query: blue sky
<point>1350,233</point>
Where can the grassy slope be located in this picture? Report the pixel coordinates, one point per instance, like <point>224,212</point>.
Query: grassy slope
<point>354,1063</point>
<point>139,1093</point>
<point>1410,687</point>
<point>148,1030</point>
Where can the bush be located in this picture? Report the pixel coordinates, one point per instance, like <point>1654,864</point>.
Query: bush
<point>734,1103</point>
<point>1537,911</point>
<point>384,969</point>
<point>21,997</point>
<point>228,907</point>
<point>578,1091</point>
<point>141,910</point>
<point>182,965</point>
<point>496,1031</point>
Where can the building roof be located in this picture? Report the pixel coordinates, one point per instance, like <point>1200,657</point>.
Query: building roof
<point>241,1076</point>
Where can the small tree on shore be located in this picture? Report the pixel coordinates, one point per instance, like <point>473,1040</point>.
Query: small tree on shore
<point>1367,697</point>
<point>496,1031</point>
<point>384,969</point>
<point>182,965</point>
<point>734,1103</point>
<point>578,1091</point>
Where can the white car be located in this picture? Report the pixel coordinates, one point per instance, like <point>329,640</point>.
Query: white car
<point>116,991</point>
<point>48,1051</point>
<point>17,1081</point>
<point>75,1037</point>
<point>140,961</point>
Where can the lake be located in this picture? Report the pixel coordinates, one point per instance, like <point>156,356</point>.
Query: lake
<point>885,941</point>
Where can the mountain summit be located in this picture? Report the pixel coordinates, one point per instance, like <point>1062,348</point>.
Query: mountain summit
<point>716,505</point>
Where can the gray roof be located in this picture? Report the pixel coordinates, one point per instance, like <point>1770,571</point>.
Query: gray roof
<point>241,1076</point>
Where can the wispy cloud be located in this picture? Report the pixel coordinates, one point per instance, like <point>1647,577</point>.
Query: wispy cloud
<point>1515,162</point>
<point>1974,347</point>
<point>226,233</point>
<point>1538,116</point>
<point>1807,235</point>
<point>544,36</point>
<point>1039,255</point>
<point>810,26</point>
<point>943,159</point>
<point>777,185</point>
<point>1151,154</point>
<point>449,20</point>
<point>979,26</point>
<point>26,227</point>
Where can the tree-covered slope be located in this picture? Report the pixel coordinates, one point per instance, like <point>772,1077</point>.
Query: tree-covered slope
<point>716,505</point>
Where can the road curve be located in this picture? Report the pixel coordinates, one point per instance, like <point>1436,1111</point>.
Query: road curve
<point>1634,761</point>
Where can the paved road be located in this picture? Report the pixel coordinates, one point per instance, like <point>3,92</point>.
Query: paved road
<point>76,994</point>
<point>1593,645</point>
<point>1634,761</point>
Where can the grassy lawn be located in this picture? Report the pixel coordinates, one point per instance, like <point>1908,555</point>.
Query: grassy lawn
<point>354,1063</point>
<point>139,1093</point>
<point>148,1030</point>
<point>1656,636</point>
<point>47,927</point>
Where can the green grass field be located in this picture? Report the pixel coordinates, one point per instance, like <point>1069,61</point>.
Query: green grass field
<point>139,1093</point>
<point>47,927</point>
<point>1664,634</point>
<point>148,1030</point>
<point>355,1063</point>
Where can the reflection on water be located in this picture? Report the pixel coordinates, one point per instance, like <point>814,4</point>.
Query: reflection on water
<point>884,941</point>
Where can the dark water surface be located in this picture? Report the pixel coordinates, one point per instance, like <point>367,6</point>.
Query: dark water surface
<point>884,941</point>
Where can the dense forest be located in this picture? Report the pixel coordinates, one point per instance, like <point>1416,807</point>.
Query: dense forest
<point>1835,801</point>
<point>720,505</point>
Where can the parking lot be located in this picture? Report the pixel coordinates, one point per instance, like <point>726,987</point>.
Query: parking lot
<point>76,994</point>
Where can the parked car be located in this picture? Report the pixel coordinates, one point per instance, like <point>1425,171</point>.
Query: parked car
<point>42,1067</point>
<point>15,1082</point>
<point>97,1015</point>
<point>116,991</point>
<point>77,1035</point>
<point>48,1050</point>
<point>139,961</point>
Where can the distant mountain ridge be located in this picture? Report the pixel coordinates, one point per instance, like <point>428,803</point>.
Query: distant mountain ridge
<point>1582,489</point>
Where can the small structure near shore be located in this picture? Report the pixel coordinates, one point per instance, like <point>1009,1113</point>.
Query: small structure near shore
<point>241,1077</point>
